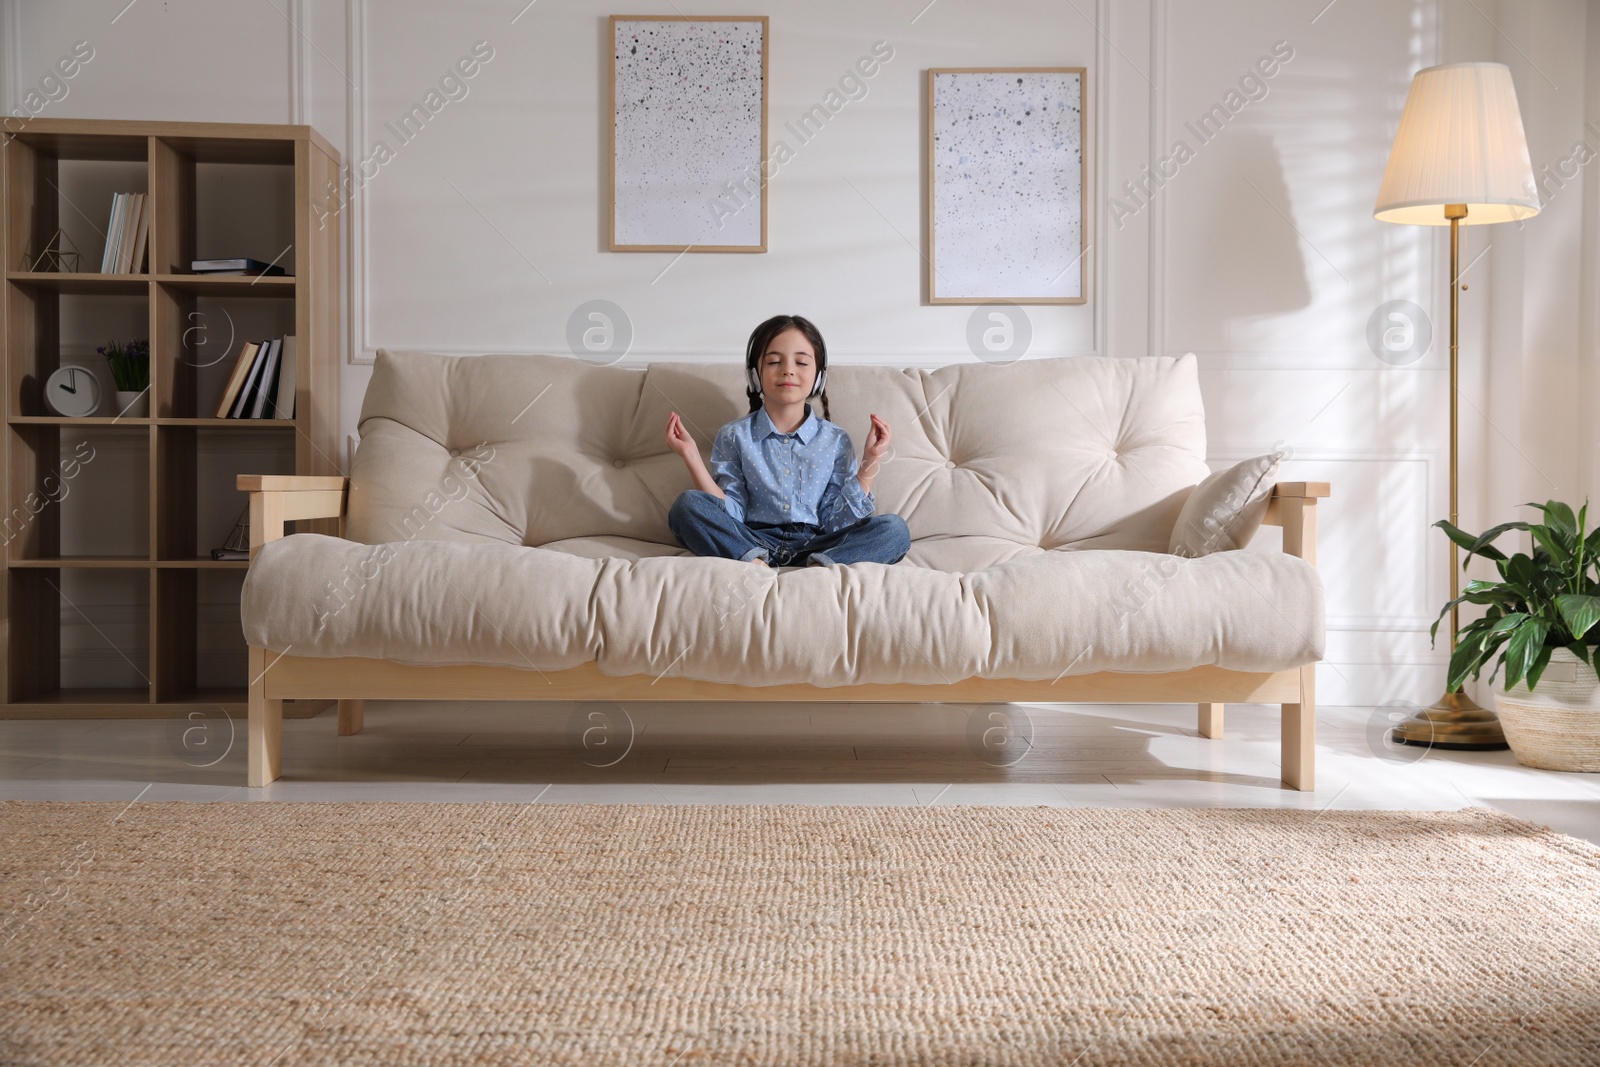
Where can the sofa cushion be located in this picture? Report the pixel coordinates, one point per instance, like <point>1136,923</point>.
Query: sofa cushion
<point>955,554</point>
<point>1225,511</point>
<point>1081,452</point>
<point>1031,618</point>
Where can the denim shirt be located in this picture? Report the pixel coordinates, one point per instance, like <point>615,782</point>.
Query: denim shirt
<point>806,476</point>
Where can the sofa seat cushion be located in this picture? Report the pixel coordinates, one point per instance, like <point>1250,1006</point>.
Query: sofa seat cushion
<point>961,555</point>
<point>605,545</point>
<point>939,553</point>
<point>1030,618</point>
<point>957,554</point>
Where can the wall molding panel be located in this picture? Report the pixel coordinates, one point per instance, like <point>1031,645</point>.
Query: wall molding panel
<point>299,87</point>
<point>11,56</point>
<point>1104,102</point>
<point>355,209</point>
<point>1159,77</point>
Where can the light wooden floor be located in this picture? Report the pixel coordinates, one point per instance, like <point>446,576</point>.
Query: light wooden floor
<point>1148,756</point>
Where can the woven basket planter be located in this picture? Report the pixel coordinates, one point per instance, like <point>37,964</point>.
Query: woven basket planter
<point>1557,726</point>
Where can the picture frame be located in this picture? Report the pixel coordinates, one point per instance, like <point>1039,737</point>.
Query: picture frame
<point>688,154</point>
<point>1007,185</point>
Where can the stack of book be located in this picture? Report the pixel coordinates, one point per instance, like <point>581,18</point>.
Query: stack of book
<point>262,383</point>
<point>127,235</point>
<point>242,265</point>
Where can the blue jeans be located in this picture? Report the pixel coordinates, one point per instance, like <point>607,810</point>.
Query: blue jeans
<point>701,523</point>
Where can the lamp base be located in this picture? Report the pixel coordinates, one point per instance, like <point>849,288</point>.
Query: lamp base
<point>1454,721</point>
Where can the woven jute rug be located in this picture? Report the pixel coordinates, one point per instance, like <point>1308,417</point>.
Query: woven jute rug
<point>318,933</point>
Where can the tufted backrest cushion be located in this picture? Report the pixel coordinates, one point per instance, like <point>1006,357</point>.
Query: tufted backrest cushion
<point>1077,452</point>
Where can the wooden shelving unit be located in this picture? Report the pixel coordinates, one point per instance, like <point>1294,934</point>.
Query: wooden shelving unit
<point>163,549</point>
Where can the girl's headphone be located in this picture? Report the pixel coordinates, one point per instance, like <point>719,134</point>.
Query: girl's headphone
<point>752,378</point>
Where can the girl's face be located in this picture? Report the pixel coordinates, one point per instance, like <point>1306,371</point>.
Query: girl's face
<point>788,368</point>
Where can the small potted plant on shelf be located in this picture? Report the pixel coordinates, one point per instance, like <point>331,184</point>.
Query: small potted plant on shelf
<point>1541,626</point>
<point>130,367</point>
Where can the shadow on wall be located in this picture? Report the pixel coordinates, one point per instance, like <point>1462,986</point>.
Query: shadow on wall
<point>1260,267</point>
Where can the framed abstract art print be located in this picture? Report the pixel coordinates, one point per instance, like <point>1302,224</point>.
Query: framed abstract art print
<point>688,133</point>
<point>1005,197</point>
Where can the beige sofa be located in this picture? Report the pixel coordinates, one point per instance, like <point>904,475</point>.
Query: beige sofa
<point>505,537</point>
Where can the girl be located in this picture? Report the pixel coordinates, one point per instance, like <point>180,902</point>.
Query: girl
<point>786,489</point>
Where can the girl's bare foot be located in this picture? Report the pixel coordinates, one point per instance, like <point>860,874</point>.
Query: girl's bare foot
<point>759,561</point>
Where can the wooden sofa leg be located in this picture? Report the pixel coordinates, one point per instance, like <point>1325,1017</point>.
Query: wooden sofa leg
<point>350,713</point>
<point>1300,735</point>
<point>266,725</point>
<point>1210,720</point>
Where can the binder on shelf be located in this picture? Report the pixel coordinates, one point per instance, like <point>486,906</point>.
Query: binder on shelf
<point>130,211</point>
<point>141,239</point>
<point>268,382</point>
<point>283,395</point>
<point>115,235</point>
<point>130,225</point>
<point>241,404</point>
<point>241,368</point>
<point>108,259</point>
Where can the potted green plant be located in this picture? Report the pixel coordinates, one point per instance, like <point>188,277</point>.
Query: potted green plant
<point>130,367</point>
<point>1541,626</point>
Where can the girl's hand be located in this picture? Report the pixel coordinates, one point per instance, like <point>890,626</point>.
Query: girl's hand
<point>679,441</point>
<point>872,452</point>
<point>877,439</point>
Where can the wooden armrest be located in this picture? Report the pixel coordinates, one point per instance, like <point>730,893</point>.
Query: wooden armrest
<point>1294,507</point>
<point>289,483</point>
<point>279,498</point>
<point>1303,489</point>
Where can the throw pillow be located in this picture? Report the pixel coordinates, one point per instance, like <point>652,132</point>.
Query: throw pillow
<point>1226,509</point>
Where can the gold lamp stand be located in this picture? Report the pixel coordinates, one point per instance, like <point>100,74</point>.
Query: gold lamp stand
<point>1460,145</point>
<point>1455,720</point>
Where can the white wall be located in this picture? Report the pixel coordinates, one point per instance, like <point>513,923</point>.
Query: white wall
<point>1260,255</point>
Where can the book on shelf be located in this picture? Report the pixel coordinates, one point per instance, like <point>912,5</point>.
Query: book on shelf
<point>262,383</point>
<point>241,265</point>
<point>108,258</point>
<point>127,234</point>
<point>230,553</point>
<point>130,222</point>
<point>241,367</point>
<point>241,403</point>
<point>141,238</point>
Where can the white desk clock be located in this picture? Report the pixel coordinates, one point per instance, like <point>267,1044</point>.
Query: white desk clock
<point>73,391</point>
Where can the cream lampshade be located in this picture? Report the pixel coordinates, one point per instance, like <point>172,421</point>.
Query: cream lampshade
<point>1460,142</point>
<point>1459,157</point>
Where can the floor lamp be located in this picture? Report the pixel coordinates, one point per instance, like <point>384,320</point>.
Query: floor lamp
<point>1459,159</point>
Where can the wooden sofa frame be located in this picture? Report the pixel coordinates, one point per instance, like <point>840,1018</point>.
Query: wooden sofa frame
<point>274,678</point>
